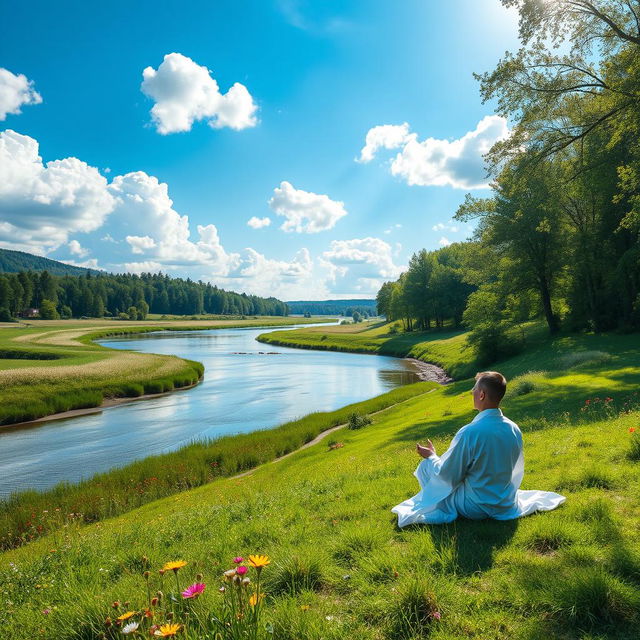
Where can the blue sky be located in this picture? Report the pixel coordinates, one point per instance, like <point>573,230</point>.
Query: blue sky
<point>309,81</point>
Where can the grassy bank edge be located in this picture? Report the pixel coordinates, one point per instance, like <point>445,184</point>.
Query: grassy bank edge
<point>28,515</point>
<point>92,396</point>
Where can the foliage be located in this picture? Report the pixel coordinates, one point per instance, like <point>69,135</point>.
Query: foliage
<point>94,295</point>
<point>358,421</point>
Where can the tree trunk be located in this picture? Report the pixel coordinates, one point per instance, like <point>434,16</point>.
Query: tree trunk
<point>545,294</point>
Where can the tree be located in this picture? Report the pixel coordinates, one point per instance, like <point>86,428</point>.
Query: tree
<point>48,310</point>
<point>132,313</point>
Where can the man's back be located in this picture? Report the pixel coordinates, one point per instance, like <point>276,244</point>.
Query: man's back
<point>495,447</point>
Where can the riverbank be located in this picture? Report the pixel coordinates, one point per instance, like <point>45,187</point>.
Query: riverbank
<point>340,567</point>
<point>30,514</point>
<point>52,367</point>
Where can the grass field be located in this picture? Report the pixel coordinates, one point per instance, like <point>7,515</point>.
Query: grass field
<point>47,367</point>
<point>341,568</point>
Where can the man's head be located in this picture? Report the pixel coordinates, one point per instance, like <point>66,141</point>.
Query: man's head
<point>489,390</point>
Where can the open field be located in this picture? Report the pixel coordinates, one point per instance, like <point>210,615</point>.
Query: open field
<point>51,366</point>
<point>340,567</point>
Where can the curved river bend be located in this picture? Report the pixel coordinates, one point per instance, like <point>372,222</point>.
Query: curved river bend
<point>247,386</point>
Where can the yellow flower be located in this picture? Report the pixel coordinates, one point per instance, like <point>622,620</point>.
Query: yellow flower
<point>174,566</point>
<point>253,600</point>
<point>259,561</point>
<point>167,630</point>
<point>127,615</point>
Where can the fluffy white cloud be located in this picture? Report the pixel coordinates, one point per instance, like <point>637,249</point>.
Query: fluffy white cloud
<point>258,223</point>
<point>184,92</point>
<point>92,263</point>
<point>15,91</point>
<point>441,226</point>
<point>40,205</point>
<point>77,249</point>
<point>435,162</point>
<point>360,265</point>
<point>444,242</point>
<point>142,267</point>
<point>305,212</point>
<point>387,136</point>
<point>156,230</point>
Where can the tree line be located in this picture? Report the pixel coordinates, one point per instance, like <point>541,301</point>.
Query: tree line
<point>123,295</point>
<point>560,237</point>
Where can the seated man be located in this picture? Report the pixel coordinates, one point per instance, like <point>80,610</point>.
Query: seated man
<point>480,474</point>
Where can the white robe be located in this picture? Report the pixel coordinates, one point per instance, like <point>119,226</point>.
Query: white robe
<point>477,477</point>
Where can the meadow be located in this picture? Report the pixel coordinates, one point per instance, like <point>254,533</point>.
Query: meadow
<point>340,567</point>
<point>48,367</point>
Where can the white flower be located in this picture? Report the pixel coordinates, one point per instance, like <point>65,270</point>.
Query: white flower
<point>130,628</point>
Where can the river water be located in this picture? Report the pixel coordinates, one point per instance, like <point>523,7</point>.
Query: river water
<point>247,386</point>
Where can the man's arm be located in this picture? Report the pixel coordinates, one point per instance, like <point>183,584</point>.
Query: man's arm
<point>452,467</point>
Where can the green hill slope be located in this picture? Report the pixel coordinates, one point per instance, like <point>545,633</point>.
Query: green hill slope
<point>16,261</point>
<point>340,567</point>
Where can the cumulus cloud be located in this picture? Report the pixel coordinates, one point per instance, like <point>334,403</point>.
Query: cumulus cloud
<point>444,242</point>
<point>185,92</point>
<point>387,136</point>
<point>441,226</point>
<point>305,212</point>
<point>360,265</point>
<point>15,91</point>
<point>143,267</point>
<point>77,249</point>
<point>92,263</point>
<point>435,162</point>
<point>159,232</point>
<point>41,205</point>
<point>258,223</point>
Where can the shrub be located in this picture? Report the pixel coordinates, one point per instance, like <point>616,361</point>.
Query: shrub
<point>583,358</point>
<point>5,315</point>
<point>357,421</point>
<point>525,384</point>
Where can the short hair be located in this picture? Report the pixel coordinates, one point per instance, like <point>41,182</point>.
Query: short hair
<point>494,384</point>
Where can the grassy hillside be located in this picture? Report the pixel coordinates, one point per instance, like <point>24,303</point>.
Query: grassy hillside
<point>341,568</point>
<point>47,367</point>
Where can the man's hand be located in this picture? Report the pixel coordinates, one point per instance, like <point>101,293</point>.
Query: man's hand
<point>426,451</point>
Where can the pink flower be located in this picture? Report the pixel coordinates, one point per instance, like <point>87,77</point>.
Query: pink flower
<point>241,570</point>
<point>436,615</point>
<point>46,612</point>
<point>194,590</point>
<point>238,559</point>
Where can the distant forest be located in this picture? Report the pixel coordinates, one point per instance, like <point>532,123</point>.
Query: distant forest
<point>364,307</point>
<point>124,295</point>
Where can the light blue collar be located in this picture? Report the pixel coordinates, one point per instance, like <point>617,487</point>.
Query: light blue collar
<point>488,412</point>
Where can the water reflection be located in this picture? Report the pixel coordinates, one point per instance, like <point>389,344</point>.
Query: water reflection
<point>247,386</point>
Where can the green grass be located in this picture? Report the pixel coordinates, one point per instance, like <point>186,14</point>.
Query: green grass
<point>51,367</point>
<point>341,568</point>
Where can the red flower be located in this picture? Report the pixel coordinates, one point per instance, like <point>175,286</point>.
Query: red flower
<point>632,429</point>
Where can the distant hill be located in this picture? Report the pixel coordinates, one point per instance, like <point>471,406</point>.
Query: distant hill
<point>16,261</point>
<point>363,306</point>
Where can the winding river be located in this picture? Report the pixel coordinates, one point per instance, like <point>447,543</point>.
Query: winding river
<point>247,386</point>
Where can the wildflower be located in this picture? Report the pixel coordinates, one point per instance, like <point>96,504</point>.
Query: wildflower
<point>130,628</point>
<point>126,616</point>
<point>174,566</point>
<point>632,429</point>
<point>107,622</point>
<point>116,604</point>
<point>436,615</point>
<point>259,561</point>
<point>255,598</point>
<point>154,601</point>
<point>229,574</point>
<point>241,570</point>
<point>194,590</point>
<point>305,607</point>
<point>587,401</point>
<point>222,589</point>
<point>46,611</point>
<point>246,582</point>
<point>148,613</point>
<point>608,400</point>
<point>238,559</point>
<point>167,630</point>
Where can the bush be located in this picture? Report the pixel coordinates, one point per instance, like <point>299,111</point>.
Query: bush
<point>5,315</point>
<point>492,342</point>
<point>357,421</point>
<point>394,329</point>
